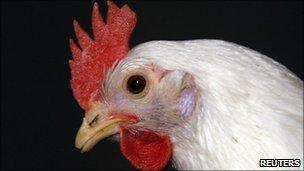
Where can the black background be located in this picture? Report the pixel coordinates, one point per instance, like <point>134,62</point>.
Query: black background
<point>39,116</point>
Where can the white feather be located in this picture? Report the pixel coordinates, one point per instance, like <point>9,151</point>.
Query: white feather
<point>251,106</point>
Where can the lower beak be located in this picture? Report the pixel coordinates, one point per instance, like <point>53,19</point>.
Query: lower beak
<point>88,136</point>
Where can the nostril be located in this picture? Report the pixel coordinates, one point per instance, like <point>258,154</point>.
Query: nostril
<point>94,121</point>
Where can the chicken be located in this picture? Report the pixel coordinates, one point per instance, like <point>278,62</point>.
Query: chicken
<point>204,104</point>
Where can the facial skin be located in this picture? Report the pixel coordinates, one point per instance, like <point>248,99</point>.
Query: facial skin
<point>157,106</point>
<point>164,105</point>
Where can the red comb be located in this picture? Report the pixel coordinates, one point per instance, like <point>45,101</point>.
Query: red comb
<point>110,44</point>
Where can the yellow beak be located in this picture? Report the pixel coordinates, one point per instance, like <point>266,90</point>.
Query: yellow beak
<point>88,136</point>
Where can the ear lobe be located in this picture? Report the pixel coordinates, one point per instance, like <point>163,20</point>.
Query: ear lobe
<point>186,92</point>
<point>188,97</point>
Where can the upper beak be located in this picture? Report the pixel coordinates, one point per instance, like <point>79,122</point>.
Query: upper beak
<point>88,136</point>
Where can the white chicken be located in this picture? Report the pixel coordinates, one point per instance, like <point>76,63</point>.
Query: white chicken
<point>250,106</point>
<point>205,104</point>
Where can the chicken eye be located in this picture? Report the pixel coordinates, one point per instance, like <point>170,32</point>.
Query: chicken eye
<point>136,84</point>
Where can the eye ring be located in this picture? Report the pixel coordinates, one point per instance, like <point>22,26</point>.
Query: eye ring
<point>136,85</point>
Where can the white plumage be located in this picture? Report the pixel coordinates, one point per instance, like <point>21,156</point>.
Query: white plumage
<point>251,107</point>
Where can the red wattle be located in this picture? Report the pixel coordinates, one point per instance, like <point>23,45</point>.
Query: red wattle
<point>145,150</point>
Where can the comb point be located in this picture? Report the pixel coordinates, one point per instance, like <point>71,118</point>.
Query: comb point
<point>97,23</point>
<point>83,38</point>
<point>112,10</point>
<point>96,5</point>
<point>113,5</point>
<point>128,12</point>
<point>76,52</point>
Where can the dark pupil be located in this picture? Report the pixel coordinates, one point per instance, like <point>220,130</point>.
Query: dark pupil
<point>136,84</point>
